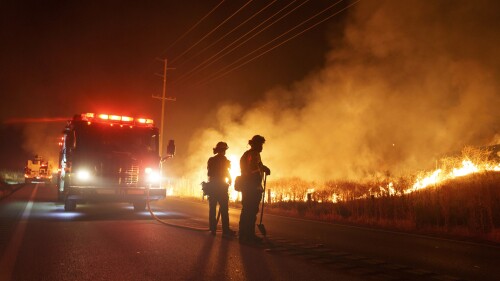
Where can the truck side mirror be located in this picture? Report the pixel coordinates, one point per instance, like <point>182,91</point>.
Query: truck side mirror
<point>70,141</point>
<point>171,148</point>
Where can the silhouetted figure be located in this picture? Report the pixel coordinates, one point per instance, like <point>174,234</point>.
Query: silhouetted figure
<point>219,180</point>
<point>253,171</point>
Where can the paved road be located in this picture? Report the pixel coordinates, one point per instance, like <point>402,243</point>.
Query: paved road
<point>387,253</point>
<point>39,241</point>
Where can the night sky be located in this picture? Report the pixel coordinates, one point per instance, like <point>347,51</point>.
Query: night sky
<point>382,86</point>
<point>65,57</point>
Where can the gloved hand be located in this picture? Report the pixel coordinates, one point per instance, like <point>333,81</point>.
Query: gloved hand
<point>267,171</point>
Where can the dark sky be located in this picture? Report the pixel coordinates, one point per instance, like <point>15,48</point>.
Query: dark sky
<point>101,54</point>
<point>382,88</point>
<point>59,58</point>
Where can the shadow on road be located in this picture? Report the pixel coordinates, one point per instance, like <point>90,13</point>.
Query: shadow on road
<point>255,268</point>
<point>201,266</point>
<point>96,212</point>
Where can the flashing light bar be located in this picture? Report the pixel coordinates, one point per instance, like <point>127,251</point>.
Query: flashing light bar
<point>104,116</point>
<point>115,118</point>
<point>112,119</point>
<point>145,121</point>
<point>127,119</point>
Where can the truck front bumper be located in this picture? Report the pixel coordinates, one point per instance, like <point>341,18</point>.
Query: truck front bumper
<point>115,194</point>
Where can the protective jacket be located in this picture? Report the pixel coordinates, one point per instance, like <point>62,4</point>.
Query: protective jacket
<point>218,170</point>
<point>252,169</point>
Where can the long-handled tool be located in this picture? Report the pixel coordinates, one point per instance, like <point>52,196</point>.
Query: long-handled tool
<point>213,231</point>
<point>261,226</point>
<point>218,217</point>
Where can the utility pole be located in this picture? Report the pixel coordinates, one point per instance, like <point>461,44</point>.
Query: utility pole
<point>162,122</point>
<point>163,98</point>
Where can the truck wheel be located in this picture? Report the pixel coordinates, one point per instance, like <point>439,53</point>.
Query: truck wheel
<point>139,206</point>
<point>69,205</point>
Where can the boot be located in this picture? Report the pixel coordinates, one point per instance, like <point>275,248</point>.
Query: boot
<point>228,233</point>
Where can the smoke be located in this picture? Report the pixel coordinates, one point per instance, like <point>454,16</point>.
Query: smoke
<point>42,139</point>
<point>409,81</point>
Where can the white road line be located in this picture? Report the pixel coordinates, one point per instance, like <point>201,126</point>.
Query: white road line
<point>8,260</point>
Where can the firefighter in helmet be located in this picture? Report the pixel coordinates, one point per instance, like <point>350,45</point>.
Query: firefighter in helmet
<point>253,171</point>
<point>219,180</point>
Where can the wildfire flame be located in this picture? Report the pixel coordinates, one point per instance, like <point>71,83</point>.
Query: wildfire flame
<point>471,161</point>
<point>437,176</point>
<point>234,172</point>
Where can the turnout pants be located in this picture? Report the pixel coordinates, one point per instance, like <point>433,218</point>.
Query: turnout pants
<point>221,197</point>
<point>250,201</point>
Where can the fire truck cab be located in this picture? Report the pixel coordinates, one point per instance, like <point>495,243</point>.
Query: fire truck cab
<point>109,158</point>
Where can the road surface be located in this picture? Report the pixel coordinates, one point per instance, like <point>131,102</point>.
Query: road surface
<point>377,251</point>
<point>39,241</point>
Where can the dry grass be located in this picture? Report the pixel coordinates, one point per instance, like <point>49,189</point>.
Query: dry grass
<point>467,206</point>
<point>8,176</point>
<point>7,179</point>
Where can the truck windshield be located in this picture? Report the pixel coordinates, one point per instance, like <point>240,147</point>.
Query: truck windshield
<point>103,137</point>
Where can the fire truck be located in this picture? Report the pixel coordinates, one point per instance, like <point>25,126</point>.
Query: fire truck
<point>110,158</point>
<point>38,169</point>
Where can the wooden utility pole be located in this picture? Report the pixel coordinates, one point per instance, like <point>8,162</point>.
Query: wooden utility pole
<point>163,98</point>
<point>162,122</point>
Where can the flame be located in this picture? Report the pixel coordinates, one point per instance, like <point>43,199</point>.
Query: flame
<point>336,198</point>
<point>234,172</point>
<point>451,168</point>
<point>235,166</point>
<point>170,191</point>
<point>389,189</point>
<point>437,176</point>
<point>426,181</point>
<point>467,168</point>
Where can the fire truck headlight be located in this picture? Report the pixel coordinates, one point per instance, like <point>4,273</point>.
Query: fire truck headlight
<point>152,176</point>
<point>83,175</point>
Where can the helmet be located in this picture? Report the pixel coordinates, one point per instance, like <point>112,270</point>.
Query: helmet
<point>257,139</point>
<point>220,146</point>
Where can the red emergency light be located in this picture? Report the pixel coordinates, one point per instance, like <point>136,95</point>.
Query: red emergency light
<point>104,116</point>
<point>144,121</point>
<point>127,119</point>
<point>116,119</point>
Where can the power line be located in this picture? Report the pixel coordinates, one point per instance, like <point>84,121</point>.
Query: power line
<point>211,60</point>
<point>193,27</point>
<point>218,76</point>
<point>213,30</point>
<point>228,33</point>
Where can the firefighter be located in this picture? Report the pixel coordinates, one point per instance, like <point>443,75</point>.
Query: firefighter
<point>253,171</point>
<point>218,172</point>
